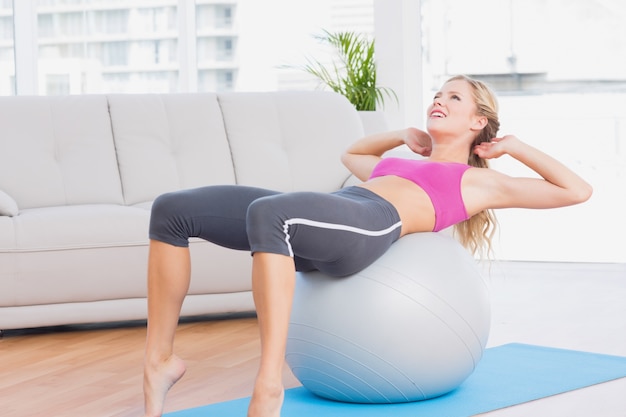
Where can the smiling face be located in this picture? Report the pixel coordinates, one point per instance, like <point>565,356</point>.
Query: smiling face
<point>453,112</point>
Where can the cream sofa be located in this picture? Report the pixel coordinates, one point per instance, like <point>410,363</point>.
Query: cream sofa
<point>78,175</point>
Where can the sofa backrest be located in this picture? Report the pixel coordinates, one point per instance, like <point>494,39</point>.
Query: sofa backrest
<point>167,142</point>
<point>130,148</point>
<point>279,140</point>
<point>57,151</point>
<point>290,141</point>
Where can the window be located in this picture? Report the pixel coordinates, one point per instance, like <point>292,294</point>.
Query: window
<point>111,54</point>
<point>526,46</point>
<point>108,43</point>
<point>7,52</point>
<point>559,70</point>
<point>214,16</point>
<point>99,45</point>
<point>111,42</point>
<point>223,16</point>
<point>219,80</point>
<point>225,80</point>
<point>224,49</point>
<point>57,84</point>
<point>109,22</point>
<point>155,20</point>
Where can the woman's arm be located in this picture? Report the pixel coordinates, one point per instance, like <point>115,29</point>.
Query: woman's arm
<point>363,155</point>
<point>559,187</point>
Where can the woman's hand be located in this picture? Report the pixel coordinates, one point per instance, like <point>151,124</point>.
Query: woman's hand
<point>496,148</point>
<point>418,141</point>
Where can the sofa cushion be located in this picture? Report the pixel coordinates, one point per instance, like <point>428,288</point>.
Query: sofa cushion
<point>290,140</point>
<point>64,253</point>
<point>80,227</point>
<point>8,206</point>
<point>98,252</point>
<point>7,235</point>
<point>169,142</point>
<point>57,151</point>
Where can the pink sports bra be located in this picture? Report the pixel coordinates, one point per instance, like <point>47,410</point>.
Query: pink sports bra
<point>440,180</point>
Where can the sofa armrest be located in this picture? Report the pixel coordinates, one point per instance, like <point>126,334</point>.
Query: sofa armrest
<point>8,206</point>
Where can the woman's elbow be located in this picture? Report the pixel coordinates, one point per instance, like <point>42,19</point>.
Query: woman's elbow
<point>582,193</point>
<point>345,159</point>
<point>348,161</point>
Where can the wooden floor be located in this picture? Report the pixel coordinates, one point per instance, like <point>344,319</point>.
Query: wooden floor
<point>96,371</point>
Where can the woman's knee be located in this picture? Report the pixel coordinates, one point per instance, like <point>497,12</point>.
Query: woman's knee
<point>261,209</point>
<point>163,204</point>
<point>266,226</point>
<point>167,221</point>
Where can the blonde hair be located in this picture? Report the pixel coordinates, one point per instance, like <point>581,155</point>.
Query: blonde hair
<point>476,232</point>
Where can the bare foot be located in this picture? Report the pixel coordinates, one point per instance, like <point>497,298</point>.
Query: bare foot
<point>267,400</point>
<point>158,378</point>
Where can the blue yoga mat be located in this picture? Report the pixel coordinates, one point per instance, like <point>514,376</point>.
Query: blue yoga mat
<point>507,375</point>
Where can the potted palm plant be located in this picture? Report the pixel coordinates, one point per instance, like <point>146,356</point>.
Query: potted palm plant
<point>353,75</point>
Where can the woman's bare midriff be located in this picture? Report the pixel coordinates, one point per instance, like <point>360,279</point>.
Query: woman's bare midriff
<point>410,200</point>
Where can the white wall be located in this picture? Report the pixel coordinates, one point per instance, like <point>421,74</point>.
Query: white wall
<point>585,131</point>
<point>399,59</point>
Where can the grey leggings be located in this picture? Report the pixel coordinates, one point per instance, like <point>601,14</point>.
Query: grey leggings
<point>338,233</point>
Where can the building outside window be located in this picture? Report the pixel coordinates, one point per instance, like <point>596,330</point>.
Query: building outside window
<point>120,46</point>
<point>216,45</point>
<point>7,52</point>
<point>114,46</point>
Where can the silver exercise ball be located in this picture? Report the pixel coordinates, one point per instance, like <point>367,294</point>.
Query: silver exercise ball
<point>411,326</point>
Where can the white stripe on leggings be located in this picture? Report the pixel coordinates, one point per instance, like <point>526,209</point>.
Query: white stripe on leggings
<point>334,226</point>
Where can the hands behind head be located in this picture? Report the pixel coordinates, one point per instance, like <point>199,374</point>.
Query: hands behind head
<point>418,141</point>
<point>496,148</point>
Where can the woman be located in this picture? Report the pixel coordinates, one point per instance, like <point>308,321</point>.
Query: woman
<point>343,232</point>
